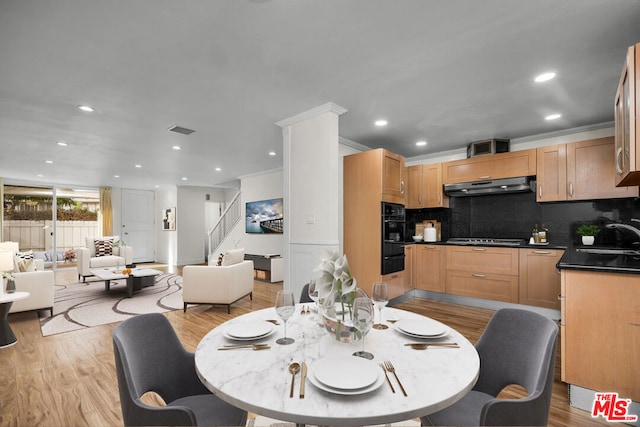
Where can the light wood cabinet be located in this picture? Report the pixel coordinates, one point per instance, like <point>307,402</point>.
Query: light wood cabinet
<point>370,178</point>
<point>539,280</point>
<point>395,284</point>
<point>392,177</point>
<point>579,171</point>
<point>600,329</point>
<point>627,121</point>
<point>504,165</point>
<point>424,187</point>
<point>409,261</point>
<point>429,267</point>
<point>482,272</point>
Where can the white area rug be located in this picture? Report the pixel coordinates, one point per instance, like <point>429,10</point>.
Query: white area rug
<point>84,305</point>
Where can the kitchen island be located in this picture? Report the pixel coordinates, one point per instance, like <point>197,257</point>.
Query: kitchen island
<point>600,325</point>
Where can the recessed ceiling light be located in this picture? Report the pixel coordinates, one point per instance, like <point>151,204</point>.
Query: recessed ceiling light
<point>157,186</point>
<point>49,162</point>
<point>177,147</point>
<point>40,175</point>
<point>272,153</point>
<point>116,176</point>
<point>62,143</point>
<point>138,166</point>
<point>184,178</point>
<point>218,169</point>
<point>421,143</point>
<point>553,116</point>
<point>381,122</point>
<point>86,108</point>
<point>544,77</point>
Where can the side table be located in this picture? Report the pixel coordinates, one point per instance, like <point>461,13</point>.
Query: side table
<point>7,337</point>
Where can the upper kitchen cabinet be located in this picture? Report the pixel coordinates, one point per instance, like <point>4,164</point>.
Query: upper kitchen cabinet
<point>578,171</point>
<point>504,165</point>
<point>392,176</point>
<point>627,121</point>
<point>424,187</point>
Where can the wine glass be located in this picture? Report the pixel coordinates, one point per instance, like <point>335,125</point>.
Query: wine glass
<point>363,320</point>
<point>313,292</point>
<point>285,306</point>
<point>380,297</point>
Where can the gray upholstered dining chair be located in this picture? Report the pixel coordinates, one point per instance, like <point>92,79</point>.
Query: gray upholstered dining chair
<point>304,294</point>
<point>517,347</point>
<point>150,357</point>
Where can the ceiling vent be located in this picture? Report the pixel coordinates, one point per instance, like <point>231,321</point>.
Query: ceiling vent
<point>180,129</point>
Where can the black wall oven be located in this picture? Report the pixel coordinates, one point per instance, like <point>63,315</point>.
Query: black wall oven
<point>393,225</point>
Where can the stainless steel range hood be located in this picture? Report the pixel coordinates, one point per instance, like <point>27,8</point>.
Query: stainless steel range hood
<point>496,186</point>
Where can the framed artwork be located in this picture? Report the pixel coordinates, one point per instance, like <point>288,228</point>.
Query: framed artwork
<point>169,219</point>
<point>265,217</point>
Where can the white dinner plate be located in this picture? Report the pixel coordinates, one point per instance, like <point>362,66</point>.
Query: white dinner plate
<point>376,384</point>
<point>249,330</point>
<point>425,328</point>
<point>345,373</point>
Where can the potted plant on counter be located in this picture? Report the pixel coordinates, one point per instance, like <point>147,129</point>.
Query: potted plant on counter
<point>588,233</point>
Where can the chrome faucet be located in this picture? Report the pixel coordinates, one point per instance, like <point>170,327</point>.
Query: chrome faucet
<point>626,227</point>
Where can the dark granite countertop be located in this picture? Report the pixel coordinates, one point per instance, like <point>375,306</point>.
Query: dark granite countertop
<point>576,260</point>
<point>524,246</point>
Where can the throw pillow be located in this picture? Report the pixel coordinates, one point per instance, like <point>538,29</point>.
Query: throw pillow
<point>104,247</point>
<point>233,256</point>
<point>25,265</point>
<point>22,256</point>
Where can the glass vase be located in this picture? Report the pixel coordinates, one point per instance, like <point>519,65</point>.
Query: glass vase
<point>337,313</point>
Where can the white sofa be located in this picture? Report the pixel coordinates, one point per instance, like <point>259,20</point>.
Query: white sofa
<point>39,284</point>
<point>207,284</point>
<point>86,258</point>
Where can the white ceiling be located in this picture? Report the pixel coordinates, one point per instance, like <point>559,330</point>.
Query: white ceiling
<point>447,71</point>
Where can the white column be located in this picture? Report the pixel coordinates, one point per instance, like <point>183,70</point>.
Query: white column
<point>311,191</point>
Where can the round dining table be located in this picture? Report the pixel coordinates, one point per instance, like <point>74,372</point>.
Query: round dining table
<point>259,381</point>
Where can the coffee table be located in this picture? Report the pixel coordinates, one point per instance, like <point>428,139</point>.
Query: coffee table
<point>138,279</point>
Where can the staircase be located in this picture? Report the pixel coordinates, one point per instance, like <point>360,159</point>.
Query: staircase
<point>223,227</point>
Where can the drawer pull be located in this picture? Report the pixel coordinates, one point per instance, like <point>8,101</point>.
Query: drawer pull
<point>478,249</point>
<point>482,276</point>
<point>484,177</point>
<point>542,252</point>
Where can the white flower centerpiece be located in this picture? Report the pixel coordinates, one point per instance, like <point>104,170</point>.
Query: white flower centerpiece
<point>337,291</point>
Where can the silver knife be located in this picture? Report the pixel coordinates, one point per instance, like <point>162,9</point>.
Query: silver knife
<point>303,377</point>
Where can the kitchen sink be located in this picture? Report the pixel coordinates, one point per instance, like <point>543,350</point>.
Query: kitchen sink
<point>609,251</point>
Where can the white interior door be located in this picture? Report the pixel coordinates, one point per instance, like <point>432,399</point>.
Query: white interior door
<point>138,223</point>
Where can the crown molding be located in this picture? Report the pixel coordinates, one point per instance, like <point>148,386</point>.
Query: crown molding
<point>329,107</point>
<point>355,145</point>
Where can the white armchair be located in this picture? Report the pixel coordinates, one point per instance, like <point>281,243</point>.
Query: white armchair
<point>205,284</point>
<point>86,258</point>
<point>39,284</point>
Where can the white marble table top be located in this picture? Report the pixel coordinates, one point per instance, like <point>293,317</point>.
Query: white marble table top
<point>111,273</point>
<point>5,297</point>
<point>259,381</point>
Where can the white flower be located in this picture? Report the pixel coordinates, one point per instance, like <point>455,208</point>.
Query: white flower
<point>7,275</point>
<point>334,274</point>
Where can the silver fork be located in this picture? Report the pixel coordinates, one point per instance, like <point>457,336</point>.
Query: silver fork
<point>392,369</point>
<point>387,376</point>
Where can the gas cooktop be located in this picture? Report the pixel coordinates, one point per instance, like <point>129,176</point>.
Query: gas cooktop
<point>485,241</point>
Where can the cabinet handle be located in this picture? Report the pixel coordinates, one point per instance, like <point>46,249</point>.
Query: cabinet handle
<point>618,157</point>
<point>571,189</point>
<point>419,199</point>
<point>429,247</point>
<point>482,276</point>
<point>542,252</point>
<point>540,191</point>
<point>439,198</point>
<point>478,249</point>
<point>484,177</point>
<point>402,187</point>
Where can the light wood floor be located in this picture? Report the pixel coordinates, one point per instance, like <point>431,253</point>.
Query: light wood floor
<point>69,379</point>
